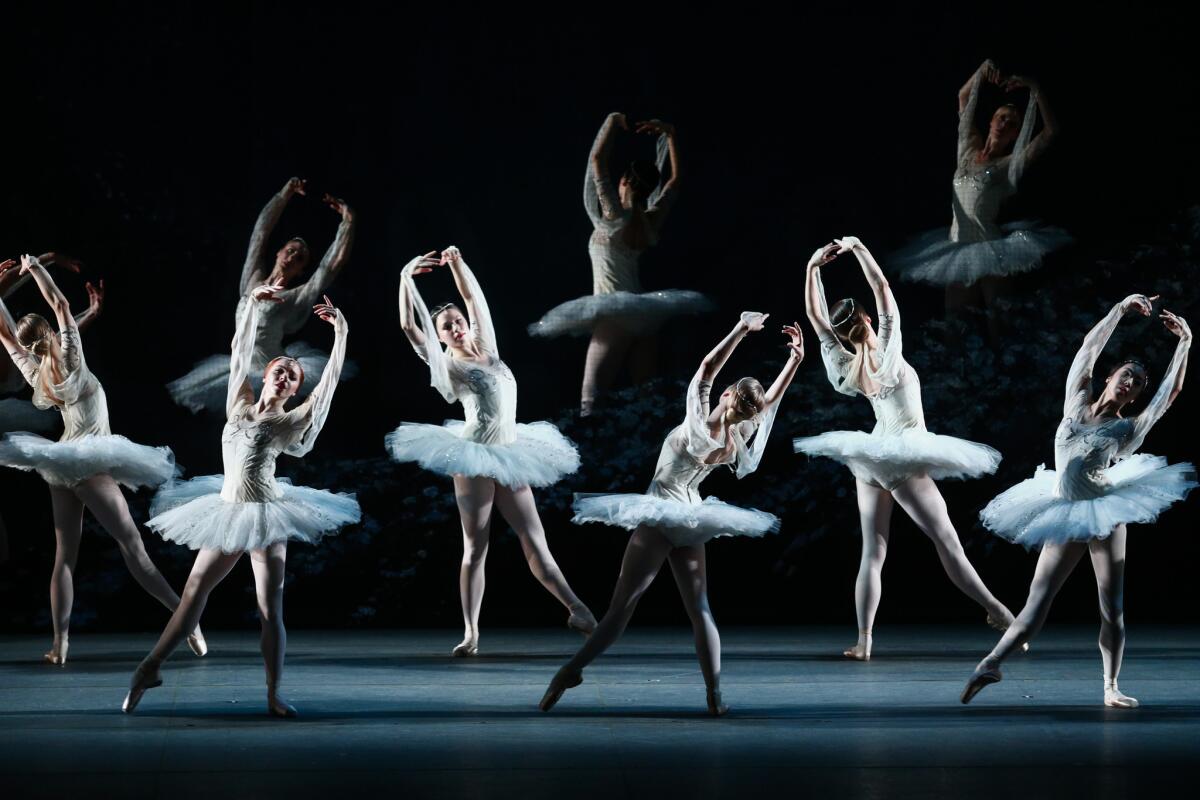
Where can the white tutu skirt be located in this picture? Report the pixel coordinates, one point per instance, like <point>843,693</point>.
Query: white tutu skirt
<point>641,312</point>
<point>192,513</point>
<point>22,415</point>
<point>72,462</point>
<point>1031,513</point>
<point>887,460</point>
<point>683,524</point>
<point>933,258</point>
<point>205,388</point>
<point>540,456</point>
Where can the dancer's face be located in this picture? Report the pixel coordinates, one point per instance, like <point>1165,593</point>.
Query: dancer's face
<point>291,259</point>
<point>282,379</point>
<point>1005,125</point>
<point>1124,385</point>
<point>452,328</point>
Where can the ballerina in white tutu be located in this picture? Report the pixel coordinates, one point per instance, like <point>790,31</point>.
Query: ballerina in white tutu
<point>899,460</point>
<point>1099,484</point>
<point>671,523</point>
<point>86,467</point>
<point>247,509</point>
<point>619,315</point>
<point>970,258</point>
<point>204,387</point>
<point>493,460</point>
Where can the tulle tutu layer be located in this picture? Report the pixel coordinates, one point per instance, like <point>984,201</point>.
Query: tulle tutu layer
<point>22,415</point>
<point>1031,513</point>
<point>888,460</point>
<point>540,456</point>
<point>206,386</point>
<point>72,462</point>
<point>933,258</point>
<point>682,523</point>
<point>193,514</point>
<point>641,311</point>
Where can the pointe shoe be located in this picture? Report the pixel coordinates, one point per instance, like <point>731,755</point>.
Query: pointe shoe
<point>581,620</point>
<point>996,625</point>
<point>716,707</point>
<point>57,654</point>
<point>198,644</point>
<point>563,679</point>
<point>280,708</point>
<point>862,650</point>
<point>467,648</point>
<point>978,682</point>
<point>142,682</point>
<point>1115,698</point>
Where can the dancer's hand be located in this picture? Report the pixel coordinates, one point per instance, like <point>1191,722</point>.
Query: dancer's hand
<point>326,310</point>
<point>295,186</point>
<point>95,294</point>
<point>339,205</point>
<point>847,244</point>
<point>753,320</point>
<point>796,339</point>
<point>990,72</point>
<point>656,127</point>
<point>1176,325</point>
<point>823,255</point>
<point>422,264</point>
<point>1139,303</point>
<point>451,256</point>
<point>27,263</point>
<point>7,264</point>
<point>267,292</point>
<point>1014,82</point>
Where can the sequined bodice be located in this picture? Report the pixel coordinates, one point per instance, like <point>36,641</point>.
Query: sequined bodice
<point>898,408</point>
<point>249,448</point>
<point>979,191</point>
<point>1082,453</point>
<point>678,474</point>
<point>488,393</point>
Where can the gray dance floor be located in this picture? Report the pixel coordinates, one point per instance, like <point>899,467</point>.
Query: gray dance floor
<point>389,711</point>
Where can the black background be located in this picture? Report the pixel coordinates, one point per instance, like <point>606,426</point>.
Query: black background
<point>145,139</point>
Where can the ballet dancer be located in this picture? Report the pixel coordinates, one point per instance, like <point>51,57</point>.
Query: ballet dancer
<point>493,460</point>
<point>670,522</point>
<point>1099,484</point>
<point>899,460</point>
<point>620,317</point>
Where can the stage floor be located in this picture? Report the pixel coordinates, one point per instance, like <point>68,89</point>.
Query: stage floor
<point>389,711</point>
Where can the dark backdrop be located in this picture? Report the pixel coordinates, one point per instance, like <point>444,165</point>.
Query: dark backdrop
<point>145,139</point>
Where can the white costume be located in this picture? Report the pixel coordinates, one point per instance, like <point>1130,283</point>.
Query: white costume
<point>205,386</point>
<point>616,288</point>
<point>976,245</point>
<point>247,508</point>
<point>673,504</point>
<point>490,443</point>
<point>87,446</point>
<point>899,447</point>
<point>1099,479</point>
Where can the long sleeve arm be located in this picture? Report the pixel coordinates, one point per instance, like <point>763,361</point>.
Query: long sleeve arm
<point>968,135</point>
<point>477,307</point>
<point>1167,391</point>
<point>241,355</point>
<point>1028,148</point>
<point>268,218</point>
<point>53,295</point>
<point>313,412</point>
<point>332,263</point>
<point>599,199</point>
<point>834,356</point>
<point>418,326</point>
<point>663,197</point>
<point>716,358</point>
<point>750,457</point>
<point>25,362</point>
<point>1079,377</point>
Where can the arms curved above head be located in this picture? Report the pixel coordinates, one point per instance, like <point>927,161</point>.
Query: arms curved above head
<point>1168,390</point>
<point>1079,376</point>
<point>314,411</point>
<point>253,273</point>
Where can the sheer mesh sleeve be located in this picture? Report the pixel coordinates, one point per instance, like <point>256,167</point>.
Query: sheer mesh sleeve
<point>1020,154</point>
<point>836,358</point>
<point>1079,377</point>
<point>268,218</point>
<point>430,351</point>
<point>241,355</point>
<point>660,197</point>
<point>481,315</point>
<point>695,421</point>
<point>599,199</point>
<point>1159,404</point>
<point>309,294</point>
<point>891,351</point>
<point>966,119</point>
<point>72,349</point>
<point>312,413</point>
<point>749,456</point>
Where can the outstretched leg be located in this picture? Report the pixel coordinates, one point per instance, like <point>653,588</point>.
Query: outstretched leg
<point>605,354</point>
<point>644,556</point>
<point>921,500</point>
<point>518,508</point>
<point>1054,565</point>
<point>475,497</point>
<point>68,529</point>
<point>269,567</point>
<point>1108,562</point>
<point>691,576</point>
<point>875,516</point>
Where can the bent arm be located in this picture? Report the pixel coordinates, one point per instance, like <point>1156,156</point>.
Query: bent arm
<point>53,295</point>
<point>968,103</point>
<point>598,196</point>
<point>1029,148</point>
<point>241,355</point>
<point>716,358</point>
<point>477,307</point>
<point>885,301</point>
<point>410,322</point>
<point>332,263</point>
<point>268,218</point>
<point>1079,377</point>
<point>1168,390</point>
<point>313,412</point>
